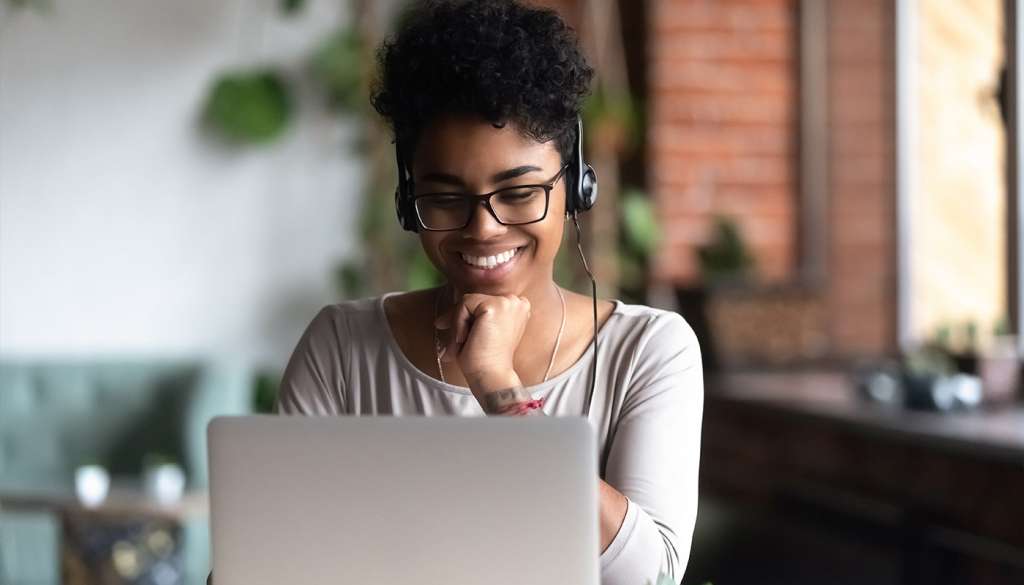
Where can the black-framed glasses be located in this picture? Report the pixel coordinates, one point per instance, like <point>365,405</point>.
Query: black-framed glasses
<point>516,205</point>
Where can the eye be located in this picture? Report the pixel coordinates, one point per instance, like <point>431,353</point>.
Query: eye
<point>519,195</point>
<point>443,201</point>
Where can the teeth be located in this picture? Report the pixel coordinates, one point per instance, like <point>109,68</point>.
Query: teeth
<point>488,262</point>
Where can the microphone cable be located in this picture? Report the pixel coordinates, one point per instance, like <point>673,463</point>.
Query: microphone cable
<point>593,290</point>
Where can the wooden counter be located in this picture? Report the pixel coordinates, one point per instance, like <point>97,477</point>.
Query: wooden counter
<point>950,487</point>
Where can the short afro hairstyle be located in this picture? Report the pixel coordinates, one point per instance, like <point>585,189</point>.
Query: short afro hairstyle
<point>507,62</point>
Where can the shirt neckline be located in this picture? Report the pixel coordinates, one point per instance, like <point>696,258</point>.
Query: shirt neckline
<point>432,381</point>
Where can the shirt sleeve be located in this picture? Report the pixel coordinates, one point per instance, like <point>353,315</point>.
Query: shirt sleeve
<point>313,382</point>
<point>655,455</point>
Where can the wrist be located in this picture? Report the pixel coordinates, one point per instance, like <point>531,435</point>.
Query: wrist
<point>486,382</point>
<point>504,401</point>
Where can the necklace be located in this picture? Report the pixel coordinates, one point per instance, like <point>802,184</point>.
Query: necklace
<point>554,352</point>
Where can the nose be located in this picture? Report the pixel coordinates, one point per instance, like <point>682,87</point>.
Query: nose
<point>482,224</point>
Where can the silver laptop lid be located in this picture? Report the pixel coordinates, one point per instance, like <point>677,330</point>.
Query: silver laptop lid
<point>430,501</point>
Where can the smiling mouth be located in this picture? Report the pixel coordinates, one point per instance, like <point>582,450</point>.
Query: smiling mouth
<point>491,262</point>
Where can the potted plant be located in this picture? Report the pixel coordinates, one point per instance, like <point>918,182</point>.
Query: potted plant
<point>725,261</point>
<point>163,479</point>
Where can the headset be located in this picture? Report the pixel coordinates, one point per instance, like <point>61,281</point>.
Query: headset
<point>581,194</point>
<point>581,185</point>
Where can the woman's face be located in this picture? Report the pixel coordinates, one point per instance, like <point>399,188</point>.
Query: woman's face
<point>467,154</point>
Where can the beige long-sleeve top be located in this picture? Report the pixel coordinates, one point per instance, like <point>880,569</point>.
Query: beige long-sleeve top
<point>646,411</point>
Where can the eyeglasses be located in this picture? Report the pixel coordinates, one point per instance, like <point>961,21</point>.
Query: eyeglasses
<point>518,205</point>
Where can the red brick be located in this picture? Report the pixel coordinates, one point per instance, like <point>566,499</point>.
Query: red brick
<point>742,109</point>
<point>719,46</point>
<point>686,15</point>
<point>734,77</point>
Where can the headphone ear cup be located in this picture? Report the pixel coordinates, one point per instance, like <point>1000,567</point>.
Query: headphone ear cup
<point>406,215</point>
<point>588,189</point>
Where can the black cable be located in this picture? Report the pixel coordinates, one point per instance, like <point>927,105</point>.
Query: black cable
<point>593,290</point>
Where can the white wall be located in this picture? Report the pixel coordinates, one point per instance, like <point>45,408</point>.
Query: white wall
<point>122,228</point>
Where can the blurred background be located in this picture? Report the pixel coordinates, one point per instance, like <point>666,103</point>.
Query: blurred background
<point>828,191</point>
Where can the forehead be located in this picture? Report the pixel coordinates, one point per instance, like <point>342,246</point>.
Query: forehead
<point>468,146</point>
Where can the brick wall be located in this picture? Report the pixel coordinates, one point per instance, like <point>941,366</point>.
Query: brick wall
<point>861,293</point>
<point>722,139</point>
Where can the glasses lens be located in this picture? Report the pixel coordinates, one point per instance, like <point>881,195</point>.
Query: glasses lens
<point>515,205</point>
<point>520,204</point>
<point>443,211</point>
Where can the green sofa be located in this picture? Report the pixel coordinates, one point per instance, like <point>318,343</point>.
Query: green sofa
<point>56,415</point>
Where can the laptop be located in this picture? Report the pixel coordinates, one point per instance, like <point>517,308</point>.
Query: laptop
<point>411,500</point>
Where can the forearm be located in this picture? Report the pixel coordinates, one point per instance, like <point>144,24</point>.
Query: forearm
<point>612,504</point>
<point>612,511</point>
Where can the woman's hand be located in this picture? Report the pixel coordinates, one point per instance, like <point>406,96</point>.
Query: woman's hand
<point>481,333</point>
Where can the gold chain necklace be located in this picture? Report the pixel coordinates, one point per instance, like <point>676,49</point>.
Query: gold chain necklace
<point>554,352</point>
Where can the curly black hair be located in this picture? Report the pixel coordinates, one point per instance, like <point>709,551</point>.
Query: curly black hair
<point>497,58</point>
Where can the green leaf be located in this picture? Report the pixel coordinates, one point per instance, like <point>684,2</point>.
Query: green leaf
<point>1002,326</point>
<point>641,226</point>
<point>292,7</point>
<point>725,257</point>
<point>264,395</point>
<point>339,67</point>
<point>350,280</point>
<point>248,107</point>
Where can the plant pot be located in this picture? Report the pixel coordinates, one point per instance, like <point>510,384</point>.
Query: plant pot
<point>92,483</point>
<point>999,370</point>
<point>164,483</point>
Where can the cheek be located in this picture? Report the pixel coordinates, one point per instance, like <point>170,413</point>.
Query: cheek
<point>432,248</point>
<point>548,237</point>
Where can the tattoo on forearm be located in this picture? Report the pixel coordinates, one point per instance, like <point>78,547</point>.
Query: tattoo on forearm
<point>499,399</point>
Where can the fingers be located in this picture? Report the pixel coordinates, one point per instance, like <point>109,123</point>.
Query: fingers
<point>463,320</point>
<point>456,324</point>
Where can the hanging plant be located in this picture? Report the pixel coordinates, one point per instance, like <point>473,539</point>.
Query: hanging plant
<point>338,66</point>
<point>292,7</point>
<point>251,107</point>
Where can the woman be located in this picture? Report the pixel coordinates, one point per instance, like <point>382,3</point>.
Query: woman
<point>483,97</point>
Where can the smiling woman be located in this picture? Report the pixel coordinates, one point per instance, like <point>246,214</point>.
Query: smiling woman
<point>484,97</point>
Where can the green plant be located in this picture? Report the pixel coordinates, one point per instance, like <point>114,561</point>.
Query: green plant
<point>641,235</point>
<point>290,7</point>
<point>264,393</point>
<point>1002,326</point>
<point>248,107</point>
<point>930,360</point>
<point>156,459</point>
<point>725,258</point>
<point>338,67</point>
<point>641,229</point>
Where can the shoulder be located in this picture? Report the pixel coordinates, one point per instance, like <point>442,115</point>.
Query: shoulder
<point>652,329</point>
<point>314,381</point>
<point>663,356</point>
<point>346,318</point>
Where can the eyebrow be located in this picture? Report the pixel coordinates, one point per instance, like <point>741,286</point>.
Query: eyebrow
<point>497,178</point>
